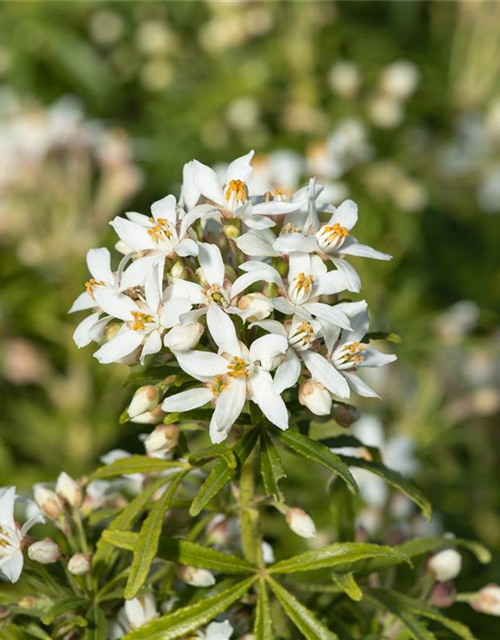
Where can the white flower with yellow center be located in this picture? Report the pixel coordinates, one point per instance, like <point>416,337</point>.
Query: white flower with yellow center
<point>12,536</point>
<point>230,376</point>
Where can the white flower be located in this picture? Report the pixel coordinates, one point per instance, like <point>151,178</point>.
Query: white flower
<point>446,565</point>
<point>230,376</point>
<point>301,523</point>
<point>12,536</point>
<point>216,631</point>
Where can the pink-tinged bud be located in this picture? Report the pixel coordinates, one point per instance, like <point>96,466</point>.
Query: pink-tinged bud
<point>194,576</point>
<point>301,523</point>
<point>44,551</point>
<point>315,397</point>
<point>183,338</point>
<point>149,417</point>
<point>345,416</point>
<point>69,490</point>
<point>445,565</point>
<point>145,399</point>
<point>256,306</point>
<point>49,502</point>
<point>488,600</point>
<point>443,595</point>
<point>163,438</point>
<point>79,564</point>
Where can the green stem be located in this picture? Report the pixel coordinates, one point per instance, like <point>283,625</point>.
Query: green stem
<point>250,537</point>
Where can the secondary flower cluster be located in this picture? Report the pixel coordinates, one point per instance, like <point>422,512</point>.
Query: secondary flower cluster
<point>241,290</point>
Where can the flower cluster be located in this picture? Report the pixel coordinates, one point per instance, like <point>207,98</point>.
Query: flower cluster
<point>242,291</point>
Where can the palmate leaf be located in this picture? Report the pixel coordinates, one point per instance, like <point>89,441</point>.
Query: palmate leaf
<point>222,473</point>
<point>395,479</point>
<point>316,451</point>
<point>135,464</point>
<point>305,621</point>
<point>149,537</point>
<point>271,467</point>
<point>339,553</point>
<point>263,625</point>
<point>188,619</point>
<point>408,610</point>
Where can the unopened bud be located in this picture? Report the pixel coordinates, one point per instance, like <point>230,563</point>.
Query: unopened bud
<point>301,523</point>
<point>194,576</point>
<point>48,501</point>
<point>183,338</point>
<point>488,600</point>
<point>443,595</point>
<point>163,438</point>
<point>256,306</point>
<point>145,399</point>
<point>315,397</point>
<point>345,415</point>
<point>445,565</point>
<point>79,564</point>
<point>178,271</point>
<point>150,417</point>
<point>231,231</point>
<point>69,490</point>
<point>44,551</point>
<point>30,602</point>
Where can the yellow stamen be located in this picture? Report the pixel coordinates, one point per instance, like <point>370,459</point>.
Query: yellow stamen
<point>140,320</point>
<point>303,282</point>
<point>239,188</point>
<point>90,286</point>
<point>237,368</point>
<point>218,385</point>
<point>160,230</point>
<point>334,232</point>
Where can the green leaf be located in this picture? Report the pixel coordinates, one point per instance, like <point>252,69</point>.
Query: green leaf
<point>192,617</point>
<point>318,452</point>
<point>135,464</point>
<point>97,627</point>
<point>121,539</point>
<point>149,537</point>
<point>271,467</point>
<point>197,555</point>
<point>349,586</point>
<point>222,473</point>
<point>392,600</point>
<point>344,440</point>
<point>64,606</point>
<point>305,621</point>
<point>338,553</point>
<point>263,626</point>
<point>215,451</point>
<point>382,335</point>
<point>150,374</point>
<point>395,479</point>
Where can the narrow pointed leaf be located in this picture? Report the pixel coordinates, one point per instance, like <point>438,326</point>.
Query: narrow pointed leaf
<point>70,604</point>
<point>188,619</point>
<point>339,553</point>
<point>147,544</point>
<point>271,467</point>
<point>316,451</point>
<point>222,473</point>
<point>395,479</point>
<point>263,626</point>
<point>305,621</point>
<point>197,555</point>
<point>97,627</point>
<point>121,539</point>
<point>348,584</point>
<point>215,451</point>
<point>135,464</point>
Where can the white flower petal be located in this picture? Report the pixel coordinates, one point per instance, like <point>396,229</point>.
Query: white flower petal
<point>359,386</point>
<point>330,283</point>
<point>257,245</point>
<point>329,314</point>
<point>177,288</point>
<point>287,373</point>
<point>12,565</point>
<point>196,213</point>
<point>83,302</point>
<point>122,345</point>
<point>351,277</point>
<point>201,365</point>
<point>358,317</point>
<point>351,247</point>
<point>275,207</point>
<point>133,235</point>
<point>151,346</point>
<point>187,400</point>
<point>117,306</point>
<point>166,209</point>
<point>244,281</point>
<point>137,273</point>
<point>172,310</point>
<point>267,347</point>
<point>187,247</point>
<point>190,194</point>
<point>271,404</point>
<point>324,372</point>
<point>375,358</point>
<point>300,262</point>
<point>273,326</point>
<point>81,335</point>
<point>7,499</point>
<point>139,218</point>
<point>240,169</point>
<point>290,242</point>
<point>229,405</point>
<point>211,263</point>
<point>346,214</point>
<point>206,181</point>
<point>154,283</point>
<point>222,330</point>
<point>99,264</point>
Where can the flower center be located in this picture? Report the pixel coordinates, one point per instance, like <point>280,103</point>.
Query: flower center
<point>236,192</point>
<point>275,195</point>
<point>4,534</point>
<point>237,368</point>
<point>214,293</point>
<point>301,287</point>
<point>91,285</point>
<point>331,237</point>
<point>302,336</point>
<point>290,228</point>
<point>349,355</point>
<point>140,320</point>
<point>160,231</point>
<point>218,385</point>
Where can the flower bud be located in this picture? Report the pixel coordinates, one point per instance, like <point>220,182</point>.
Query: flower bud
<point>178,271</point>
<point>163,438</point>
<point>256,306</point>
<point>79,564</point>
<point>194,576</point>
<point>301,523</point>
<point>69,490</point>
<point>445,565</point>
<point>443,595</point>
<point>150,417</point>
<point>44,551</point>
<point>231,231</point>
<point>315,397</point>
<point>145,399</point>
<point>48,501</point>
<point>183,338</point>
<point>488,600</point>
<point>140,610</point>
<point>345,415</point>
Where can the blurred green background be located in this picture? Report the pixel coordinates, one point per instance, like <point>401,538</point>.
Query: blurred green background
<point>395,104</point>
